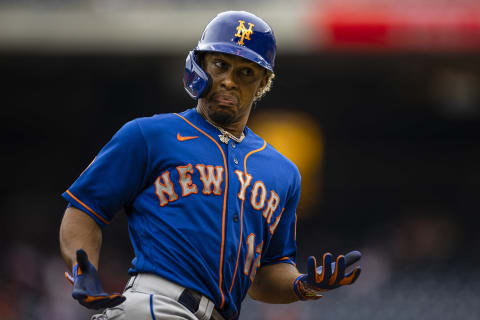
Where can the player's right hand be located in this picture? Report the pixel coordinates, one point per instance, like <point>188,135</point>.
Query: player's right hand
<point>328,276</point>
<point>87,288</point>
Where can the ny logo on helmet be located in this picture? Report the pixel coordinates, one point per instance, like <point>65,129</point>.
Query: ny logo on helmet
<point>243,32</point>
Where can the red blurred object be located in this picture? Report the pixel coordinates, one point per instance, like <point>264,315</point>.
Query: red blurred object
<point>387,25</point>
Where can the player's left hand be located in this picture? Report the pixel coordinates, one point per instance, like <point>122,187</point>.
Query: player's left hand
<point>87,288</point>
<point>328,276</point>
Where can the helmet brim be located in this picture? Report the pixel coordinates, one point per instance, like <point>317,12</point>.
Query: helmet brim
<point>236,50</point>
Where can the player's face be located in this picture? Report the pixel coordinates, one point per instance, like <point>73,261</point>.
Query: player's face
<point>235,84</point>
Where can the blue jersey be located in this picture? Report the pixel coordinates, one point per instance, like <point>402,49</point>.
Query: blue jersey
<point>202,213</point>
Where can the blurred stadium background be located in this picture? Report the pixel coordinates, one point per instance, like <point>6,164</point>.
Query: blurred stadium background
<point>377,101</point>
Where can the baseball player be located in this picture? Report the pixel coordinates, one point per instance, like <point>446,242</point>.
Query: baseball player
<point>210,205</point>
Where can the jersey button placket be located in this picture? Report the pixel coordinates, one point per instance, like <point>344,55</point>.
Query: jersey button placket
<point>233,217</point>
<point>233,145</point>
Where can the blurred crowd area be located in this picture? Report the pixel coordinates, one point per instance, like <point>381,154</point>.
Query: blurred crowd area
<point>119,4</point>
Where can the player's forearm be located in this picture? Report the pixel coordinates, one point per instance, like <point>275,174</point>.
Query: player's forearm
<point>274,284</point>
<point>77,231</point>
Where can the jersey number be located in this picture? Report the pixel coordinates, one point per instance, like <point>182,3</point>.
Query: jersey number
<point>250,255</point>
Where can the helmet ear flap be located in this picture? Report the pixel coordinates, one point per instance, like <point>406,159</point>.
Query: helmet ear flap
<point>207,87</point>
<point>196,81</point>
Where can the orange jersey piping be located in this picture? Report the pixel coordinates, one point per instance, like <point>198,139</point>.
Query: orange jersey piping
<point>88,208</point>
<point>284,258</point>
<point>220,273</point>
<point>241,212</point>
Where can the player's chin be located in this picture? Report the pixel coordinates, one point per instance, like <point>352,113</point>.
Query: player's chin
<point>222,114</point>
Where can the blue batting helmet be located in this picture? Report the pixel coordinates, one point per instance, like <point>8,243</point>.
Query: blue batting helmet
<point>233,32</point>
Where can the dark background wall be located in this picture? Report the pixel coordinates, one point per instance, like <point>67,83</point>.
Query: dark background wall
<point>400,174</point>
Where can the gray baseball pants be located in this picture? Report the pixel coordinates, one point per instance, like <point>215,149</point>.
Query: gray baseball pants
<point>155,298</point>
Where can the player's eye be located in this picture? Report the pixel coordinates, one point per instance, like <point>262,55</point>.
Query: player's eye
<point>248,72</point>
<point>220,64</point>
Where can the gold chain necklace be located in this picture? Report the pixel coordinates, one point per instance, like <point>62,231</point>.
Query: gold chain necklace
<point>225,136</point>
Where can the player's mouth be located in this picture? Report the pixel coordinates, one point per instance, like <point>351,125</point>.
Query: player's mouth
<point>227,100</point>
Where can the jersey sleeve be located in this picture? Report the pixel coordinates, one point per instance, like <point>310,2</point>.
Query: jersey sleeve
<point>283,247</point>
<point>114,178</point>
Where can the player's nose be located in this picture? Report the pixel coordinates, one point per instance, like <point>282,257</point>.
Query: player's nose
<point>228,80</point>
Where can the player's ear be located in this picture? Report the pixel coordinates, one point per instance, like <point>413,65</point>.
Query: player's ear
<point>265,81</point>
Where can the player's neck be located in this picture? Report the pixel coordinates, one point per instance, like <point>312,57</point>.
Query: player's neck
<point>235,128</point>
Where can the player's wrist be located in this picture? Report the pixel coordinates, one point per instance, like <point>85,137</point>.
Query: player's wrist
<point>297,288</point>
<point>303,291</point>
